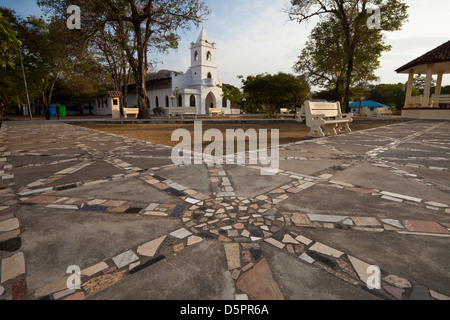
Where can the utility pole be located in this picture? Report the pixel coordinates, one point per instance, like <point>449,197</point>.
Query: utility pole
<point>26,87</point>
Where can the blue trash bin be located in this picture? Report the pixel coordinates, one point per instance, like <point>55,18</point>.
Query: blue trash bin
<point>52,110</point>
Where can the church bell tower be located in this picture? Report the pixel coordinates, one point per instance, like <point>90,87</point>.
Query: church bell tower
<point>203,61</point>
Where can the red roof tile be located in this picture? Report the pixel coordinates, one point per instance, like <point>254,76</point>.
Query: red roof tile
<point>440,54</point>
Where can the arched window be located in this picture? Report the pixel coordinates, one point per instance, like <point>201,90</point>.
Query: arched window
<point>167,101</point>
<point>224,102</point>
<point>156,102</point>
<point>180,101</point>
<point>192,101</point>
<point>209,75</point>
<point>196,56</point>
<point>208,56</point>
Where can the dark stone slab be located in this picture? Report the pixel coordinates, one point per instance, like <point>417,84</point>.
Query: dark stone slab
<point>178,211</point>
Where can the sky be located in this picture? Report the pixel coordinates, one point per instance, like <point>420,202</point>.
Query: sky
<point>255,36</point>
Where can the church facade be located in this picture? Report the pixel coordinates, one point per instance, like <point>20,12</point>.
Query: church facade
<point>197,87</point>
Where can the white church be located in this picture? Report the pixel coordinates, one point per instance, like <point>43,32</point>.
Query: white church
<point>198,87</point>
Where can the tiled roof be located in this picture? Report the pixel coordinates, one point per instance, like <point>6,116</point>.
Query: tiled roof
<point>440,54</point>
<point>114,94</point>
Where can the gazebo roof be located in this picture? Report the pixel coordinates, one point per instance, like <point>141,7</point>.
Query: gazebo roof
<point>439,56</point>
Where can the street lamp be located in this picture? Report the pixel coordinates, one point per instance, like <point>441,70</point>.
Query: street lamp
<point>176,90</point>
<point>338,75</point>
<point>243,104</point>
<point>172,97</point>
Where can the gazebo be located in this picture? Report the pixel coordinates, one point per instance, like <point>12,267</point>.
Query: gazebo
<point>436,106</point>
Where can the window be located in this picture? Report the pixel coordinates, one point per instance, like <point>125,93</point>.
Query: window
<point>209,75</point>
<point>196,56</point>
<point>115,102</point>
<point>192,101</point>
<point>180,101</point>
<point>224,102</point>
<point>167,101</point>
<point>156,102</point>
<point>208,56</point>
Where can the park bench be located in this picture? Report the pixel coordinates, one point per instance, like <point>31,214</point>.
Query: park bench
<point>182,111</point>
<point>326,116</point>
<point>301,115</point>
<point>216,111</point>
<point>384,112</point>
<point>365,112</point>
<point>436,99</point>
<point>414,102</point>
<point>130,111</point>
<point>284,111</point>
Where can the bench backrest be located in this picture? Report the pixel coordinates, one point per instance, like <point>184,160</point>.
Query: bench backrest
<point>440,97</point>
<point>327,109</point>
<point>215,109</point>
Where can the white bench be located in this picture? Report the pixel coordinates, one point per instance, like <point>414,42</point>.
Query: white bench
<point>284,111</point>
<point>301,115</point>
<point>439,98</point>
<point>365,112</point>
<point>182,111</point>
<point>384,112</point>
<point>217,111</point>
<point>414,102</point>
<point>326,116</point>
<point>130,111</point>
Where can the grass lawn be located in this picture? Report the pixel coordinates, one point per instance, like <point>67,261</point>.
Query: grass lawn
<point>161,133</point>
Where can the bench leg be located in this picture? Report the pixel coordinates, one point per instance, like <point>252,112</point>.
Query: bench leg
<point>344,127</point>
<point>330,129</point>
<point>317,129</point>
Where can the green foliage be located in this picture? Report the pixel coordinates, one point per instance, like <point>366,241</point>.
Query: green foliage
<point>158,111</point>
<point>272,92</point>
<point>232,94</point>
<point>9,44</point>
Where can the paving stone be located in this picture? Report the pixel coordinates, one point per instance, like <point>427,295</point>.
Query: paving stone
<point>2,290</point>
<point>258,283</point>
<point>401,196</point>
<point>94,269</point>
<point>300,219</point>
<point>124,259</point>
<point>289,239</point>
<point>419,293</point>
<point>193,240</point>
<point>425,226</point>
<point>64,293</point>
<point>306,258</point>
<point>437,204</point>
<point>275,243</point>
<point>326,218</point>
<point>180,233</point>
<point>9,225</point>
<point>19,289</point>
<point>76,296</point>
<point>233,255</point>
<point>100,283</point>
<point>12,267</point>
<point>397,281</point>
<point>324,249</point>
<point>303,240</point>
<point>396,292</point>
<point>434,294</point>
<point>360,268</point>
<point>366,221</point>
<point>149,249</point>
<point>393,222</point>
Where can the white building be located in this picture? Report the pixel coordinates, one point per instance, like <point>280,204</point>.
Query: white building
<point>197,87</point>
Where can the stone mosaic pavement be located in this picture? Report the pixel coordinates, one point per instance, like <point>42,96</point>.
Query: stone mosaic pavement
<point>139,227</point>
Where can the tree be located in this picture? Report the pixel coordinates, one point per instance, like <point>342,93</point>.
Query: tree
<point>351,17</point>
<point>272,92</point>
<point>232,94</point>
<point>138,26</point>
<point>9,44</point>
<point>419,83</point>
<point>323,58</point>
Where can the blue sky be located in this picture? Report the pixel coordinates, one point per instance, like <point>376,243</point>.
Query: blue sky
<point>254,36</point>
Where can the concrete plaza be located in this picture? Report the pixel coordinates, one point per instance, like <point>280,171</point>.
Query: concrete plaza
<point>139,227</point>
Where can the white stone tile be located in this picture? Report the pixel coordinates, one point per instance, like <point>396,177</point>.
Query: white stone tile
<point>180,233</point>
<point>193,240</point>
<point>401,196</point>
<point>125,259</point>
<point>391,198</point>
<point>242,296</point>
<point>306,258</point>
<point>62,206</point>
<point>275,243</point>
<point>437,204</point>
<point>393,222</point>
<point>326,218</point>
